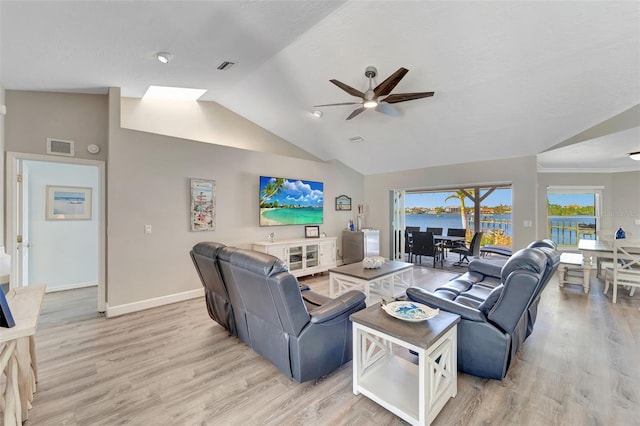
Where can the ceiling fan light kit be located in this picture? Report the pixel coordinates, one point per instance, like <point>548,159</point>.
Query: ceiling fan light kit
<point>379,97</point>
<point>634,155</point>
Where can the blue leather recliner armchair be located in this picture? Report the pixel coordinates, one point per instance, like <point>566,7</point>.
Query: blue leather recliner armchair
<point>304,334</point>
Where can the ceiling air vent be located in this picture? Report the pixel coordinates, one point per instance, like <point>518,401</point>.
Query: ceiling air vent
<point>226,65</point>
<point>60,147</point>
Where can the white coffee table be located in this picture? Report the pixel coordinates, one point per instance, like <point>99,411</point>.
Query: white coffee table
<point>414,392</point>
<point>386,280</point>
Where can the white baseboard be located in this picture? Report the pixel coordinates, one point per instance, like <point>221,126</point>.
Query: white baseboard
<point>114,311</point>
<point>71,286</point>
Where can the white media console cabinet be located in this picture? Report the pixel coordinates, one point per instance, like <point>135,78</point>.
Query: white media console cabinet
<point>304,256</point>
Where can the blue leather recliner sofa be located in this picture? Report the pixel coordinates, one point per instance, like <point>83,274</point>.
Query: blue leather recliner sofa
<point>304,334</point>
<point>497,302</point>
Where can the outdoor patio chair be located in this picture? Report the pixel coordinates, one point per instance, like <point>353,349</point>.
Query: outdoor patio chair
<point>473,250</point>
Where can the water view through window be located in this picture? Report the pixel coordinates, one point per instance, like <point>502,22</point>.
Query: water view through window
<point>572,216</point>
<point>452,209</point>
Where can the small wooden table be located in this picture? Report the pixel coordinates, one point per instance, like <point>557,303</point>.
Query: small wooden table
<point>416,393</point>
<point>382,280</point>
<point>18,348</point>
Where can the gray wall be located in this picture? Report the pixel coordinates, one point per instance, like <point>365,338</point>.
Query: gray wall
<point>149,185</point>
<point>2,165</point>
<point>620,198</point>
<point>625,208</point>
<point>32,117</point>
<point>520,172</point>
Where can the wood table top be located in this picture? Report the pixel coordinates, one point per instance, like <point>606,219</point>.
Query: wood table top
<point>421,334</point>
<point>357,270</point>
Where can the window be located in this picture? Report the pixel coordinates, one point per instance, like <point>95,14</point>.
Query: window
<point>459,208</point>
<point>573,213</point>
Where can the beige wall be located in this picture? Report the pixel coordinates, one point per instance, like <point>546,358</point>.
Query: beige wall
<point>520,172</point>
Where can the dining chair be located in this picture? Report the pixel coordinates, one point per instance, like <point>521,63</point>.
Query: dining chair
<point>453,232</point>
<point>473,250</point>
<point>423,244</point>
<point>625,270</point>
<point>408,231</point>
<point>435,231</point>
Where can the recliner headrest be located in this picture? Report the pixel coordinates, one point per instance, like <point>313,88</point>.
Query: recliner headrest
<point>528,259</point>
<point>543,243</point>
<point>208,249</point>
<point>257,262</point>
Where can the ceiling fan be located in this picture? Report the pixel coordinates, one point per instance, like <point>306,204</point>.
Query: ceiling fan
<point>378,97</point>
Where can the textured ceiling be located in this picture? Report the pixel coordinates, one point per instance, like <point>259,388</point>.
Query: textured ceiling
<point>511,78</point>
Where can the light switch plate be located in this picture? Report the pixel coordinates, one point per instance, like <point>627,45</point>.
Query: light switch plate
<point>637,221</point>
<point>147,229</point>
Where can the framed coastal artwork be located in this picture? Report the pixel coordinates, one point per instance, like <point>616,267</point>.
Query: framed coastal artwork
<point>68,203</point>
<point>286,201</point>
<point>343,203</point>
<point>203,205</point>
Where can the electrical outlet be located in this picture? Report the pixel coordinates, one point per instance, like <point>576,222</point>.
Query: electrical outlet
<point>147,229</point>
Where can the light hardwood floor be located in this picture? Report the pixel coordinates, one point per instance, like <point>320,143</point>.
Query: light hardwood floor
<point>173,365</point>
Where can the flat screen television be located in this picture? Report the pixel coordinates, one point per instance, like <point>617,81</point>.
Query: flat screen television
<point>290,201</point>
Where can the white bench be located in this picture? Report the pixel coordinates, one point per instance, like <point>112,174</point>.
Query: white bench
<point>574,269</point>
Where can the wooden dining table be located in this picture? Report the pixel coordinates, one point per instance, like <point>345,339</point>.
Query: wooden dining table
<point>601,249</point>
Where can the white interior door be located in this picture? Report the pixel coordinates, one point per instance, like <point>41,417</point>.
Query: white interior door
<point>22,239</point>
<point>19,181</point>
<point>397,225</point>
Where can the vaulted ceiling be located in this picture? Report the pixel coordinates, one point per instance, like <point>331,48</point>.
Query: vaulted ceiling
<point>510,78</point>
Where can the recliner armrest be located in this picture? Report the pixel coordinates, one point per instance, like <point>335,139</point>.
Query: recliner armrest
<point>344,303</point>
<point>420,295</point>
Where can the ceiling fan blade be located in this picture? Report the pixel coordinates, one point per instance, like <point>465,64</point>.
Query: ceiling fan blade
<point>402,97</point>
<point>355,112</point>
<point>387,86</point>
<point>350,90</point>
<point>388,109</point>
<point>341,103</point>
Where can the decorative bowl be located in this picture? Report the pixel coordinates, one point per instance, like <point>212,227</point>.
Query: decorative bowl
<point>373,262</point>
<point>410,311</point>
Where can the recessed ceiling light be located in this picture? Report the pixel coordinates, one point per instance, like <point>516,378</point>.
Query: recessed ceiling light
<point>164,57</point>
<point>317,113</point>
<point>173,93</point>
<point>634,155</point>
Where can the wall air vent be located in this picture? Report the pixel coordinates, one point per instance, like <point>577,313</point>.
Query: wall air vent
<point>226,65</point>
<point>60,147</point>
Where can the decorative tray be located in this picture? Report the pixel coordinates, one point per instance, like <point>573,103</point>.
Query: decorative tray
<point>410,311</point>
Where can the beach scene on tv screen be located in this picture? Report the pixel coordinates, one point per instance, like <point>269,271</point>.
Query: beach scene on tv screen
<point>290,201</point>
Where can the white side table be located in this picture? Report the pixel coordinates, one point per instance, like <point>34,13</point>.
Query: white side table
<point>574,269</point>
<point>414,392</point>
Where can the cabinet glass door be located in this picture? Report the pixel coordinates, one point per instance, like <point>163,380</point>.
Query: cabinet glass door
<point>311,255</point>
<point>295,258</point>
